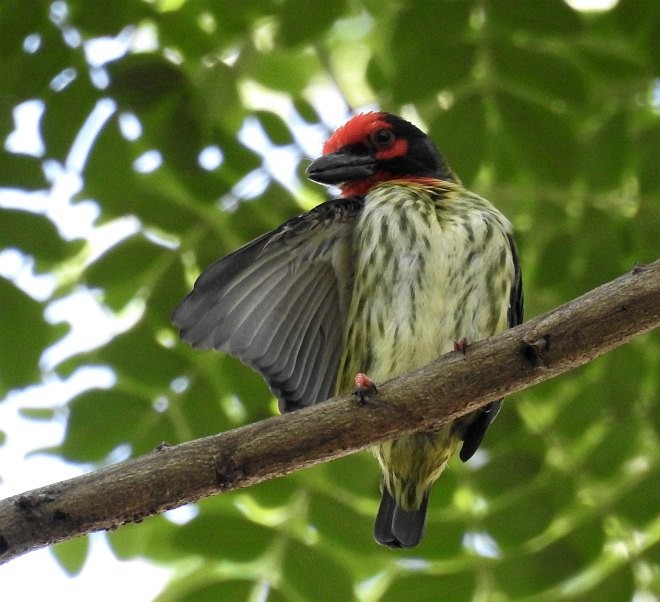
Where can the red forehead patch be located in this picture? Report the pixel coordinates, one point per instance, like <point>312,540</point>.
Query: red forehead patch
<point>356,130</point>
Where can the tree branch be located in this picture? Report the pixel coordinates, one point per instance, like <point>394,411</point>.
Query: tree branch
<point>449,387</point>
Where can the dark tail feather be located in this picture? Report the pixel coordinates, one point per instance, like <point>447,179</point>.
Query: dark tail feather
<point>397,528</point>
<point>383,526</point>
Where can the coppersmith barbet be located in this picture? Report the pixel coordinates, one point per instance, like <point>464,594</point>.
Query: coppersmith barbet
<point>384,279</point>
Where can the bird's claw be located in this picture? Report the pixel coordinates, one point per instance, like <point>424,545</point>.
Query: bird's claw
<point>461,345</point>
<point>364,387</point>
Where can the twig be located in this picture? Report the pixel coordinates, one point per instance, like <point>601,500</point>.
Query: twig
<point>451,386</point>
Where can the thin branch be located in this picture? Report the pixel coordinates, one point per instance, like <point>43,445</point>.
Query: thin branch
<point>455,384</point>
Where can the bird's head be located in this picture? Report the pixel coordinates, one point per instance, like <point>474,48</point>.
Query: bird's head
<point>376,147</point>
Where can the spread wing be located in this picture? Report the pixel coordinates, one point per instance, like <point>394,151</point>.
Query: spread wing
<point>279,303</point>
<point>477,428</point>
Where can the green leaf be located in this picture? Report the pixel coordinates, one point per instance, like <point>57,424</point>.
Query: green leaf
<point>182,29</point>
<point>160,198</point>
<point>45,414</point>
<point>540,139</point>
<point>275,128</point>
<point>305,20</point>
<point>67,110</point>
<point>549,75</point>
<point>460,132</point>
<point>415,73</point>
<point>306,110</point>
<point>136,352</point>
<point>35,235</point>
<point>649,174</point>
<point>110,21</point>
<point>604,151</point>
<point>16,24</point>
<point>218,89</point>
<point>152,538</point>
<point>304,567</point>
<point>143,80</point>
<point>235,20</point>
<point>607,61</point>
<point>639,505</point>
<point>129,266</point>
<point>71,555</point>
<point>287,70</point>
<point>224,536</point>
<point>539,504</point>
<point>340,526</point>
<point>619,584</point>
<point>220,590</point>
<point>21,171</point>
<point>51,57</point>
<point>101,420</point>
<point>634,16</point>
<point>419,586</point>
<point>20,351</point>
<point>496,478</point>
<point>550,564</point>
<point>535,17</point>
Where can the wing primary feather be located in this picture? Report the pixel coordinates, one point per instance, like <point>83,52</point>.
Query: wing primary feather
<point>321,355</point>
<point>279,302</point>
<point>268,307</point>
<point>295,376</point>
<point>289,332</point>
<point>287,336</point>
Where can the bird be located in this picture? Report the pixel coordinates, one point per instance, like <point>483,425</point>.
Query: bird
<point>403,266</point>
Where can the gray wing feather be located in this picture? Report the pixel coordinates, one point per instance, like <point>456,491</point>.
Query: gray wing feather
<point>279,303</point>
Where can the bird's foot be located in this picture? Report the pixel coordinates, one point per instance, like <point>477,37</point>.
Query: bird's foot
<point>364,387</point>
<point>461,345</point>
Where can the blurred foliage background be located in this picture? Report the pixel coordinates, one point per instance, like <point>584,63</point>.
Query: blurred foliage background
<point>183,129</point>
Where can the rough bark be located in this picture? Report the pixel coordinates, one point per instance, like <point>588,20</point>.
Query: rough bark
<point>455,384</point>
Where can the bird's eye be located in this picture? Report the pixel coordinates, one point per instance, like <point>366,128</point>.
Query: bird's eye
<point>383,138</point>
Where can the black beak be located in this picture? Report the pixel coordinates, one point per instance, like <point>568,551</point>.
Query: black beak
<point>337,168</point>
